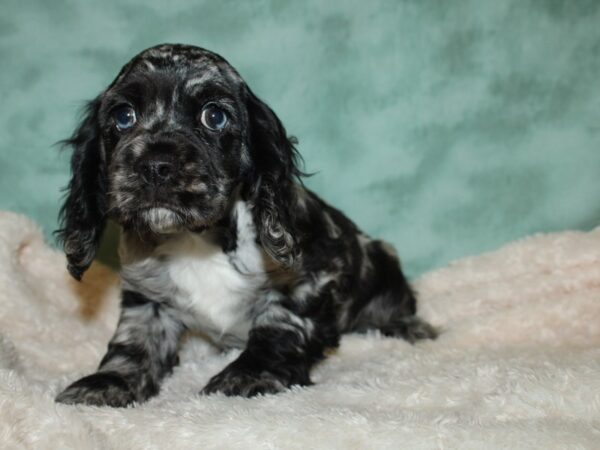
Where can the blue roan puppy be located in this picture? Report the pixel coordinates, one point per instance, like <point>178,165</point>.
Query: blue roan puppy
<point>219,235</point>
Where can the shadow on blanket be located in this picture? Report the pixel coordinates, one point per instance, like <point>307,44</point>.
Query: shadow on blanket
<point>91,294</point>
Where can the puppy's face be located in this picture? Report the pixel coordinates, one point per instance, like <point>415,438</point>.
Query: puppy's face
<point>168,145</point>
<point>173,129</point>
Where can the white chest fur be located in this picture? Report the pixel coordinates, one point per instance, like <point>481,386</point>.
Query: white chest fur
<point>214,292</point>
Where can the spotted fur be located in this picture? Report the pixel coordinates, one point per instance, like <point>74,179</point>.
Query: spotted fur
<point>227,241</point>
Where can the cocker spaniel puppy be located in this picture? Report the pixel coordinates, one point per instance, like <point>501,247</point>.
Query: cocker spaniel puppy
<point>219,235</point>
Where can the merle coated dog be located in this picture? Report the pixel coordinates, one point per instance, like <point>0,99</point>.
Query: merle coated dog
<point>219,235</point>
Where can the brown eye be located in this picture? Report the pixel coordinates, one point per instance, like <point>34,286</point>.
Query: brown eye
<point>213,117</point>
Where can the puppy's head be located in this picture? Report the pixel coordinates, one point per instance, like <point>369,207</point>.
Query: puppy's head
<point>166,147</point>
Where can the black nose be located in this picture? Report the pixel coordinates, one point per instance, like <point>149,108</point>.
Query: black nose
<point>155,172</point>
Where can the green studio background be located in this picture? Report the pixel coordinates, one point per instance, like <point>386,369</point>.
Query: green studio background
<point>446,127</point>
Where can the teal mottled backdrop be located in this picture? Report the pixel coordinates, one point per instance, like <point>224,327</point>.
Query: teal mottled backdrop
<point>446,127</point>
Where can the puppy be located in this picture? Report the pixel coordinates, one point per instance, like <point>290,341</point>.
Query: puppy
<point>219,235</point>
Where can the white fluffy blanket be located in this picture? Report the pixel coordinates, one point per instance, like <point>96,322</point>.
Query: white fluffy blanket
<point>517,366</point>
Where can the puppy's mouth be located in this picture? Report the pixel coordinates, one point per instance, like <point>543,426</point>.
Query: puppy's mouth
<point>166,212</point>
<point>161,220</point>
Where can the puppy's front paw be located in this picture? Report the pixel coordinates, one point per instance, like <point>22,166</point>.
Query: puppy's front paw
<point>99,389</point>
<point>237,381</point>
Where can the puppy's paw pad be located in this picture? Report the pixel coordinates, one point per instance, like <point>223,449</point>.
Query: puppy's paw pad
<point>98,389</point>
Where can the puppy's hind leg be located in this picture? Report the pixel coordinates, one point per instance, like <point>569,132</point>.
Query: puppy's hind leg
<point>385,313</point>
<point>393,305</point>
<point>140,354</point>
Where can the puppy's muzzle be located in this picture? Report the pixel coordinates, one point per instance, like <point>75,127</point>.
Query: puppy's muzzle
<point>157,165</point>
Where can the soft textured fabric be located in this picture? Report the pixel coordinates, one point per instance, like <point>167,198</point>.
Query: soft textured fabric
<point>446,127</point>
<point>517,364</point>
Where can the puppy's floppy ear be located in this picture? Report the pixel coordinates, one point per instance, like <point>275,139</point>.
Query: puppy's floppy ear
<point>82,216</point>
<point>273,182</point>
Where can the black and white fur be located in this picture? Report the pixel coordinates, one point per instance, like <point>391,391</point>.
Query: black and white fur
<point>224,239</point>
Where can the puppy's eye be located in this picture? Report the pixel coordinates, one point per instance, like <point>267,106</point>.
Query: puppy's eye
<point>213,117</point>
<point>124,117</point>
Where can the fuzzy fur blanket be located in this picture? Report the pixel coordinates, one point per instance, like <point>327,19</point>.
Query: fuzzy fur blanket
<point>517,365</point>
